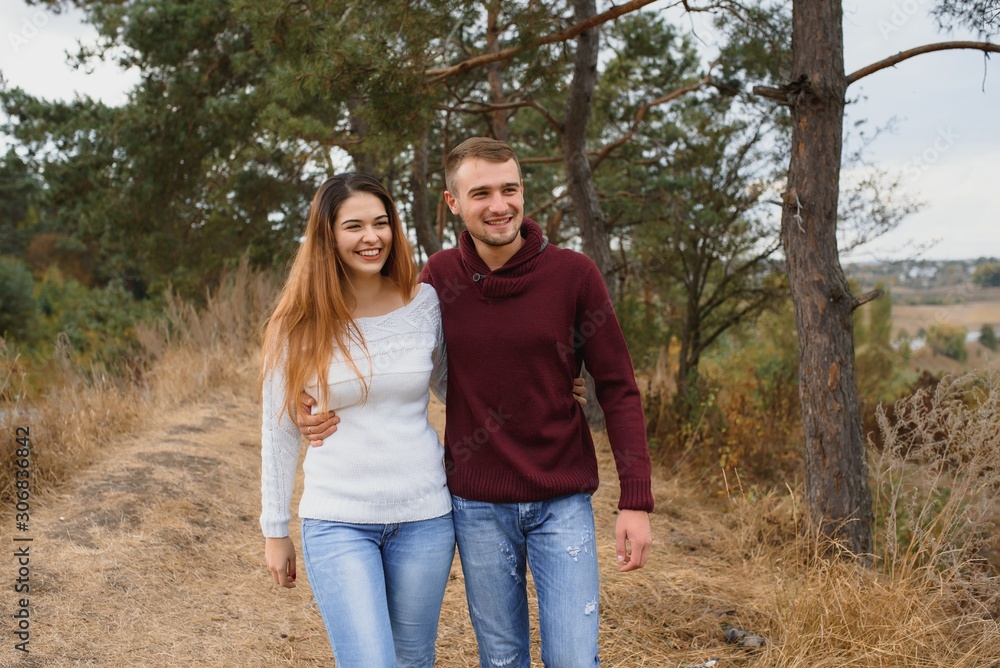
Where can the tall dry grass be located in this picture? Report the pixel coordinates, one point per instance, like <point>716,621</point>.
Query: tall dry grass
<point>937,489</point>
<point>210,348</point>
<point>189,353</point>
<point>816,611</point>
<point>932,597</point>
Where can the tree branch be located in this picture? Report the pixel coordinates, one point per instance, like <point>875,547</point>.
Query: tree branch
<point>541,209</point>
<point>440,74</point>
<point>639,115</point>
<point>860,301</point>
<point>546,115</point>
<point>786,94</point>
<point>985,47</point>
<point>483,107</point>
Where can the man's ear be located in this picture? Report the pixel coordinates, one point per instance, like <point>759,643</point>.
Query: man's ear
<point>452,203</point>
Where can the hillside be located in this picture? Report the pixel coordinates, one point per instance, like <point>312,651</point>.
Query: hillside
<point>151,556</point>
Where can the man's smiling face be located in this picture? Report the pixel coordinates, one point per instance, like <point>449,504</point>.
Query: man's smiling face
<point>489,197</point>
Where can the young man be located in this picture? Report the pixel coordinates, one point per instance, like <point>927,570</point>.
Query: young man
<point>520,317</point>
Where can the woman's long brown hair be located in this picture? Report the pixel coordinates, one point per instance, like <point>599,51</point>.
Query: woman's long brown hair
<point>312,316</point>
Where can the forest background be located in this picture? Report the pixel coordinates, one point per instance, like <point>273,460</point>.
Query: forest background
<point>127,229</point>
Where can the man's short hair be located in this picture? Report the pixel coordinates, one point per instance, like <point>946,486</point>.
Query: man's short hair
<point>484,148</point>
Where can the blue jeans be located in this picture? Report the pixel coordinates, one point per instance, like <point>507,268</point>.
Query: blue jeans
<point>555,538</point>
<point>379,588</point>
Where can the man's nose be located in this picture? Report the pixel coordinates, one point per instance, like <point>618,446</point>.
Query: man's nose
<point>497,203</point>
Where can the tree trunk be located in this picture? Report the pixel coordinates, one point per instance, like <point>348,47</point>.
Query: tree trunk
<point>498,118</point>
<point>364,161</point>
<point>836,466</point>
<point>582,191</point>
<point>688,360</point>
<point>423,224</point>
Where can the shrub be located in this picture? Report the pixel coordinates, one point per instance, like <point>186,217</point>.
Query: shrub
<point>98,324</point>
<point>17,305</point>
<point>987,275</point>
<point>938,479</point>
<point>643,329</point>
<point>948,340</point>
<point>743,415</point>
<point>988,337</point>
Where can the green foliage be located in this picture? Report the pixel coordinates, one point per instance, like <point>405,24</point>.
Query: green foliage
<point>757,45</point>
<point>948,340</point>
<point>98,324</point>
<point>244,106</point>
<point>987,275</point>
<point>20,194</point>
<point>17,305</point>
<point>684,191</point>
<point>177,183</point>
<point>745,412</point>
<point>988,337</point>
<point>982,16</point>
<point>644,329</point>
<point>879,367</point>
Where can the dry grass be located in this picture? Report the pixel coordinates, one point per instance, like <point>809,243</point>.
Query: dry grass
<point>193,353</point>
<point>67,425</point>
<point>150,555</point>
<point>203,350</point>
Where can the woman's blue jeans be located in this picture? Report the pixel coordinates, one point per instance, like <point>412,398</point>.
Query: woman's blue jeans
<point>379,588</point>
<point>555,539</point>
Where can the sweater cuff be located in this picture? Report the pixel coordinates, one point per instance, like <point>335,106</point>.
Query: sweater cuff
<point>274,528</point>
<point>636,494</point>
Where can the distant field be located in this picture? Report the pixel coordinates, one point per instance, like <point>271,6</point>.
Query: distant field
<point>974,308</point>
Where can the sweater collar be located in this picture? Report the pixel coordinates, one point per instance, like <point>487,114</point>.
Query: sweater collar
<point>509,279</point>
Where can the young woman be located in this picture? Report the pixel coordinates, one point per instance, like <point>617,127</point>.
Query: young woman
<point>353,329</point>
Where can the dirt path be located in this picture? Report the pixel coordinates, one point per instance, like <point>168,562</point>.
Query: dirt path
<point>153,557</point>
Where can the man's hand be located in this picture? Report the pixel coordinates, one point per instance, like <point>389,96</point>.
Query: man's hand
<point>318,427</point>
<point>633,539</point>
<point>279,553</point>
<point>580,391</point>
<point>314,427</point>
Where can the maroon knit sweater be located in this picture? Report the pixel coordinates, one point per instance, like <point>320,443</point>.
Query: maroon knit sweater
<point>516,339</point>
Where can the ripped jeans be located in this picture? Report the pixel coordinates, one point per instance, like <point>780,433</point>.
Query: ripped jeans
<point>555,538</point>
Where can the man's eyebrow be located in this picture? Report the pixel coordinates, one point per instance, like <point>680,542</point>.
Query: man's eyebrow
<point>515,184</point>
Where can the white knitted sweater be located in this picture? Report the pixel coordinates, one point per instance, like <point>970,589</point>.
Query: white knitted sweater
<point>384,464</point>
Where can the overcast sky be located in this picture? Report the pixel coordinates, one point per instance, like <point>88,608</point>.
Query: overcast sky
<point>946,106</point>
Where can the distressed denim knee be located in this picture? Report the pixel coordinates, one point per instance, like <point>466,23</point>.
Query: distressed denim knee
<point>555,538</point>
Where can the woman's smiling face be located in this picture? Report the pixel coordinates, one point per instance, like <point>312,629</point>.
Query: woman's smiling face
<point>363,235</point>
